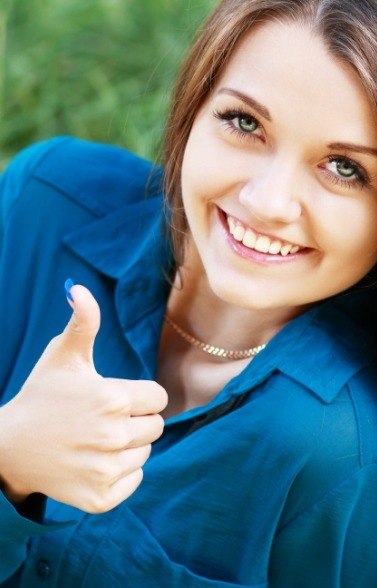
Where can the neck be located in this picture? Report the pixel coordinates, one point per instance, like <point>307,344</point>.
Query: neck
<point>199,311</point>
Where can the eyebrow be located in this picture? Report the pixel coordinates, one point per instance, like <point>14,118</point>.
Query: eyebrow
<point>262,110</point>
<point>353,147</point>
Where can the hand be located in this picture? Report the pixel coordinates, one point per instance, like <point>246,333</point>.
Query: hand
<point>73,435</point>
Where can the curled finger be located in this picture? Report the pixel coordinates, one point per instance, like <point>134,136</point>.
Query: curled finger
<point>143,430</point>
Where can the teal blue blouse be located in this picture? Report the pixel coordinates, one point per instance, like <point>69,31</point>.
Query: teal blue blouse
<point>271,484</point>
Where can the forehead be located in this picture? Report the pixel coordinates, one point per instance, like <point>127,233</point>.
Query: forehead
<point>282,64</point>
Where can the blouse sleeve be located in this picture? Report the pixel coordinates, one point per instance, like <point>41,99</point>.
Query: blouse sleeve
<point>333,543</point>
<point>16,526</point>
<point>15,531</point>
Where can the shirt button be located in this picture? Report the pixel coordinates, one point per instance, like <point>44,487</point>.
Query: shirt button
<point>43,568</point>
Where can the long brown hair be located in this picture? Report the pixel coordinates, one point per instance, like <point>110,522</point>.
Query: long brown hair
<point>348,28</point>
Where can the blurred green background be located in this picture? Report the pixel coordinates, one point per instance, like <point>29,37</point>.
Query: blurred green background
<point>97,69</point>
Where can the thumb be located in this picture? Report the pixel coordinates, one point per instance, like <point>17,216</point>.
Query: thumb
<point>79,335</point>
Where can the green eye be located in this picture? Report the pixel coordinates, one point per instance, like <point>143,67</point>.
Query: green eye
<point>347,172</point>
<point>248,124</point>
<point>346,168</point>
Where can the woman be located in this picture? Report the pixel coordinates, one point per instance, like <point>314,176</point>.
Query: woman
<point>265,474</point>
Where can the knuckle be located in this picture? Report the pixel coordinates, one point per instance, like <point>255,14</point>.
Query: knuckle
<point>126,404</point>
<point>115,472</point>
<point>125,439</point>
<point>103,474</point>
<point>104,440</point>
<point>116,403</point>
<point>111,438</point>
<point>97,504</point>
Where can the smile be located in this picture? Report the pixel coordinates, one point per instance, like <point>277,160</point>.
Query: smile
<point>261,249</point>
<point>260,243</point>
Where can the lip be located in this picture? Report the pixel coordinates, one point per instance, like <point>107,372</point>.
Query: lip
<point>253,255</point>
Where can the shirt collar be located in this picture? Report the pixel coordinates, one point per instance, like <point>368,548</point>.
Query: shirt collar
<point>326,346</point>
<point>321,349</point>
<point>102,242</point>
<point>138,262</point>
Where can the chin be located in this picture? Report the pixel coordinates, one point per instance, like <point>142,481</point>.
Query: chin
<point>251,300</point>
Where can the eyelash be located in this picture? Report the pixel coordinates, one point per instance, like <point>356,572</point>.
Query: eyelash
<point>227,117</point>
<point>362,179</point>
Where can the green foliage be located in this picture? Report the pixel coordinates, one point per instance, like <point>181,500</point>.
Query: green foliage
<point>97,69</point>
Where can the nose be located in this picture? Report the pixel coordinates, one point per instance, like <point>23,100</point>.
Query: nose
<point>271,194</point>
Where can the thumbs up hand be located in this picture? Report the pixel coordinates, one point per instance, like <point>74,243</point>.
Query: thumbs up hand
<point>73,435</point>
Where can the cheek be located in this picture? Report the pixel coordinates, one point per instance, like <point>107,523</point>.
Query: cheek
<point>362,228</point>
<point>341,223</point>
<point>354,236</point>
<point>211,168</point>
<point>199,171</point>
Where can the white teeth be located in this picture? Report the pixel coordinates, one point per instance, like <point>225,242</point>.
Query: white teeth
<point>231,224</point>
<point>263,244</point>
<point>238,233</point>
<point>250,238</point>
<point>285,250</point>
<point>275,247</point>
<point>260,243</point>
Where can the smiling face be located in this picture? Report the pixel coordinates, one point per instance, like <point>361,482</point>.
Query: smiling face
<point>279,178</point>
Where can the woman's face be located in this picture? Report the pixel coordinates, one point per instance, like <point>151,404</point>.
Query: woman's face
<point>279,176</point>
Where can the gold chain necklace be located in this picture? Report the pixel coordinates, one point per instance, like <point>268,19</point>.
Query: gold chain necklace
<point>211,349</point>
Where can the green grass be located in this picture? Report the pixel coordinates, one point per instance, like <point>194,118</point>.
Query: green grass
<point>97,69</point>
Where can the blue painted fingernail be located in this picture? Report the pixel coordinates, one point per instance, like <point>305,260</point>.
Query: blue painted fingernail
<point>68,285</point>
